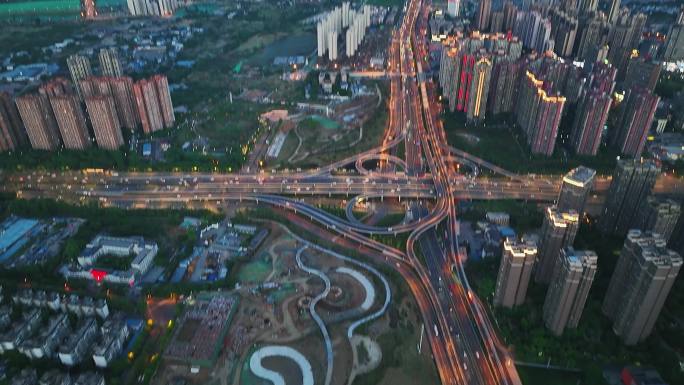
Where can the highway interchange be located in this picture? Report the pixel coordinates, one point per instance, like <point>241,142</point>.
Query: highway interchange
<point>463,341</point>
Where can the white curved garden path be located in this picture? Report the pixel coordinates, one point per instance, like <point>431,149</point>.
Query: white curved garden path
<point>314,314</point>
<point>305,366</point>
<point>280,351</point>
<point>365,282</point>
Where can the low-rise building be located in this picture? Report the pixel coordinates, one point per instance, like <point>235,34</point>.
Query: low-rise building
<point>53,301</point>
<point>5,316</point>
<point>74,350</point>
<point>55,377</point>
<point>45,343</point>
<point>227,246</point>
<point>89,378</point>
<point>88,306</point>
<point>14,232</point>
<point>244,229</point>
<point>143,254</point>
<point>123,247</point>
<point>114,334</point>
<point>39,298</point>
<point>101,308</point>
<point>633,375</point>
<point>25,377</point>
<point>73,304</point>
<point>20,331</point>
<point>498,218</point>
<point>85,306</point>
<point>23,297</point>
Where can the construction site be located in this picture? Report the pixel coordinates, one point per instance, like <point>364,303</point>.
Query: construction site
<point>300,314</point>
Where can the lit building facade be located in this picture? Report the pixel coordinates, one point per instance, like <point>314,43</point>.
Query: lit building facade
<point>575,189</point>
<point>539,114</point>
<point>572,278</point>
<point>40,123</point>
<point>105,122</point>
<point>636,115</point>
<point>515,270</point>
<point>558,232</point>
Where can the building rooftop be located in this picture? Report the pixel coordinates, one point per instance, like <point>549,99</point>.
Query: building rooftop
<point>118,242</point>
<point>654,248</point>
<point>561,219</point>
<point>580,259</point>
<point>580,176</point>
<point>663,204</point>
<point>25,377</point>
<point>89,378</point>
<point>13,229</point>
<point>641,163</point>
<point>632,375</point>
<point>54,377</point>
<point>77,336</point>
<point>520,249</point>
<point>110,330</point>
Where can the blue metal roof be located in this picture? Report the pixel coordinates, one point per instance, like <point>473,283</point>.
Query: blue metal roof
<point>14,230</point>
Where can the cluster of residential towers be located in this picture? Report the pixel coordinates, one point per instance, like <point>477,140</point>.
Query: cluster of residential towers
<point>483,74</point>
<point>646,268</point>
<point>54,117</point>
<point>344,22</point>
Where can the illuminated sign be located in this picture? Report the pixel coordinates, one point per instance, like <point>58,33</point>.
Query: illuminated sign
<point>98,275</point>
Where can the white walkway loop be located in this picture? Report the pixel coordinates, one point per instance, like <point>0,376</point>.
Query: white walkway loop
<point>316,317</point>
<point>280,351</point>
<point>367,285</point>
<point>388,296</point>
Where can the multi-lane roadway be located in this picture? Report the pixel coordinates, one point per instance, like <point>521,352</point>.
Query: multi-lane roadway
<point>183,188</point>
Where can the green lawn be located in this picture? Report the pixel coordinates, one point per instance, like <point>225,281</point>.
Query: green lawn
<point>399,352</point>
<point>246,375</point>
<point>391,219</point>
<point>387,3</point>
<point>505,146</point>
<point>258,41</point>
<point>114,262</point>
<point>281,294</point>
<point>325,122</point>
<point>256,270</point>
<point>317,137</point>
<point>538,376</point>
<point>399,344</point>
<point>231,125</point>
<point>524,215</point>
<point>289,147</point>
<point>669,84</point>
<point>33,37</point>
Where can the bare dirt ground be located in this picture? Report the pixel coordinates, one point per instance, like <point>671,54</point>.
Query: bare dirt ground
<point>279,315</point>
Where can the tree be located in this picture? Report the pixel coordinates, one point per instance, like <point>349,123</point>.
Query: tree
<point>71,249</point>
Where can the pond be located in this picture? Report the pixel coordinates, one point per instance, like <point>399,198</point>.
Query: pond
<point>325,122</point>
<point>295,45</point>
